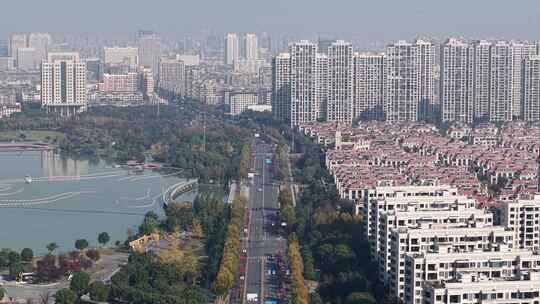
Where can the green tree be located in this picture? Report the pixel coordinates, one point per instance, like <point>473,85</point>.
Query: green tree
<point>103,238</point>
<point>27,254</point>
<point>81,244</point>
<point>65,296</point>
<point>98,291</point>
<point>149,224</point>
<point>79,283</point>
<point>14,257</point>
<point>51,247</point>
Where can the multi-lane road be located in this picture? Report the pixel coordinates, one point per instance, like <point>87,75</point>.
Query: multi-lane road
<point>262,240</point>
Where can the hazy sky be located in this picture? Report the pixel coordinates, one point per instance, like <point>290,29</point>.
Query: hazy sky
<point>367,20</point>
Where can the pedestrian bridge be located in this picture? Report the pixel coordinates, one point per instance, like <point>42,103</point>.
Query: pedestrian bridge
<point>178,189</point>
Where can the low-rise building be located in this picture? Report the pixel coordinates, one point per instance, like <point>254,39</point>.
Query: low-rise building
<point>522,216</point>
<point>425,269</point>
<point>468,289</point>
<point>405,241</point>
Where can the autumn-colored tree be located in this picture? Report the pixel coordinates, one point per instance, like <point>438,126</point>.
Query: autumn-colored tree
<point>299,290</point>
<point>183,262</point>
<point>196,228</point>
<point>228,268</point>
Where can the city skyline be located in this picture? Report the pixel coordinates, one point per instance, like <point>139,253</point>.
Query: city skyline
<point>350,19</point>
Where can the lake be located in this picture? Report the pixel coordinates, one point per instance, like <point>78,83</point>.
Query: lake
<point>71,199</point>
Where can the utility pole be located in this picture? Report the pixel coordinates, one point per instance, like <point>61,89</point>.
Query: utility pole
<point>204,132</point>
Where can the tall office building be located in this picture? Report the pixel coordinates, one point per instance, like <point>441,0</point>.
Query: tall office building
<point>409,69</point>
<point>26,59</point>
<point>40,42</point>
<point>281,87</point>
<point>531,88</point>
<point>232,52</point>
<point>456,81</point>
<point>121,55</point>
<point>17,41</point>
<point>339,106</point>
<point>251,47</point>
<point>368,86</point>
<point>63,84</point>
<point>149,50</point>
<point>172,76</point>
<point>305,101</point>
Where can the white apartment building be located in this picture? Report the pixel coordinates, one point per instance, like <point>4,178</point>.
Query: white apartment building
<point>339,105</point>
<point>481,79</point>
<point>232,51</point>
<point>471,290</point>
<point>522,51</point>
<point>305,100</point>
<point>63,84</point>
<point>387,198</point>
<point>426,66</point>
<point>281,87</point>
<point>409,82</point>
<point>322,80</point>
<point>453,216</point>
<point>424,269</point>
<point>121,55</point>
<point>501,82</point>
<point>456,81</point>
<point>531,88</point>
<point>368,86</point>
<point>405,241</point>
<point>522,216</point>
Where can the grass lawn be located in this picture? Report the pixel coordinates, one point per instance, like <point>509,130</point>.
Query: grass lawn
<point>41,136</point>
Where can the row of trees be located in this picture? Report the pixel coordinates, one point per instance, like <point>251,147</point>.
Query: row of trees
<point>228,268</point>
<point>245,160</point>
<point>299,290</point>
<point>281,165</point>
<point>287,210</point>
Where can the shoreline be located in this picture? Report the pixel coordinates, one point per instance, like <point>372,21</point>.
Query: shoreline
<point>23,147</point>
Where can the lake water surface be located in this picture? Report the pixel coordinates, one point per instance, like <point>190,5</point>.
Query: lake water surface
<point>71,199</point>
